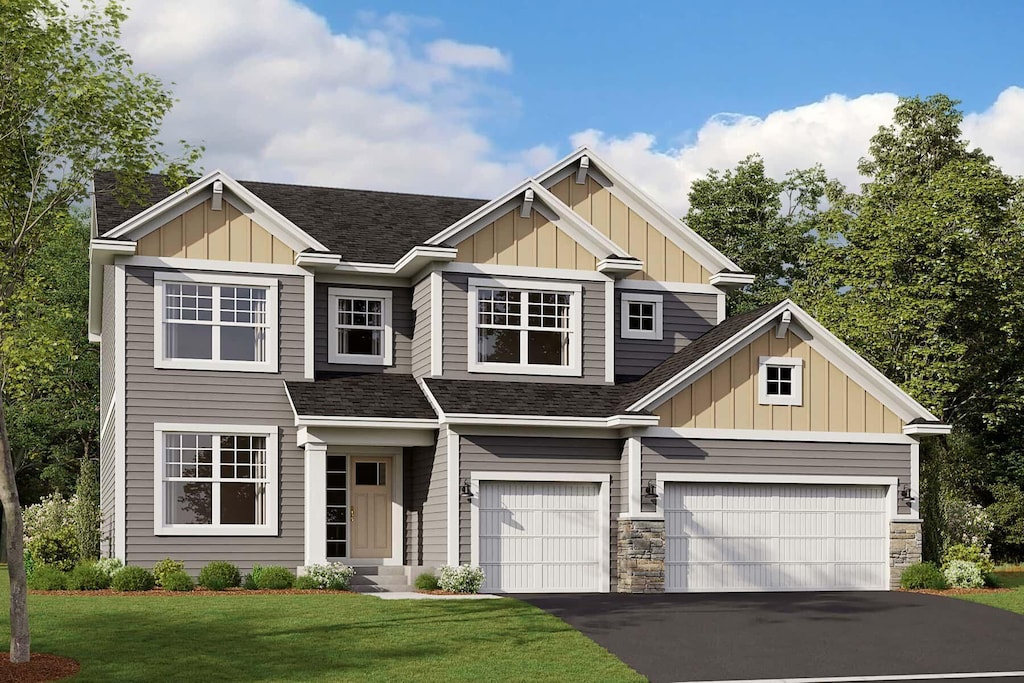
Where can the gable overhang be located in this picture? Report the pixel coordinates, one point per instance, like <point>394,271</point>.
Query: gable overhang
<point>611,422</point>
<point>818,338</point>
<point>234,193</point>
<point>102,252</point>
<point>728,281</point>
<point>532,196</point>
<point>673,228</point>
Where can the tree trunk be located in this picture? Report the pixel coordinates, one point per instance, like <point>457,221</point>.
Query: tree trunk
<point>20,650</point>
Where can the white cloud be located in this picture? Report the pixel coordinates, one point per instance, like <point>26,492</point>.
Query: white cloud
<point>467,56</point>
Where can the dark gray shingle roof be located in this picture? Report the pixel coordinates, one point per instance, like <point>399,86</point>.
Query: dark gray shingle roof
<point>361,225</point>
<point>526,398</point>
<point>361,395</point>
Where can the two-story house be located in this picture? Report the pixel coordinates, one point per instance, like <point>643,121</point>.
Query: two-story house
<point>544,384</point>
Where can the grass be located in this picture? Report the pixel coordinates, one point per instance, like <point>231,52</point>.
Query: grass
<point>329,637</point>
<point>1012,601</point>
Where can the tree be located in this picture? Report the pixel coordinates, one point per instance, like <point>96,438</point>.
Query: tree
<point>766,225</point>
<point>70,102</point>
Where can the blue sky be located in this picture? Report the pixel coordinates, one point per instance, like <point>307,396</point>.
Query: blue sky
<point>467,98</point>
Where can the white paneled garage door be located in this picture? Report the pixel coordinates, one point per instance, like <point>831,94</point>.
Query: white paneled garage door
<point>541,536</point>
<point>765,537</point>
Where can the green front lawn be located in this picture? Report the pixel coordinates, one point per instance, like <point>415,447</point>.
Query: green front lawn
<point>1012,601</point>
<point>329,637</point>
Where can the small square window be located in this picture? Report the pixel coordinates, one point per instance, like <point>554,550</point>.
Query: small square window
<point>641,316</point>
<point>780,381</point>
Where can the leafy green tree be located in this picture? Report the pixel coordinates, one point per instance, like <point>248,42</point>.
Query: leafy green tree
<point>70,102</point>
<point>767,226</point>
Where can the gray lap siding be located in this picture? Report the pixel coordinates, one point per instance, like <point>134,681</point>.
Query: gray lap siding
<point>678,455</point>
<point>685,316</point>
<point>108,428</point>
<point>210,397</point>
<point>425,505</point>
<point>542,454</point>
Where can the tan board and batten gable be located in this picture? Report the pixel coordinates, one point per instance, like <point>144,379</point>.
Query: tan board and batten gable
<point>727,397</point>
<point>536,242</point>
<point>225,235</point>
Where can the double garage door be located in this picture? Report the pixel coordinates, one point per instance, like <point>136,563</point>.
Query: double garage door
<point>551,536</point>
<point>759,537</point>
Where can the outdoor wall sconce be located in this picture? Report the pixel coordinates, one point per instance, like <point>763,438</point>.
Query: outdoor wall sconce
<point>466,490</point>
<point>651,492</point>
<point>905,493</point>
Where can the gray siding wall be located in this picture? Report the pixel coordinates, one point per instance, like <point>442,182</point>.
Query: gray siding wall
<point>210,397</point>
<point>775,457</point>
<point>684,318</point>
<point>455,296</point>
<point>108,433</point>
<point>401,321</point>
<point>420,348</point>
<point>425,507</point>
<point>542,454</point>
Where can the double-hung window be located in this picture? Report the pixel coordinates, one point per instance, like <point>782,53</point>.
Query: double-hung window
<point>641,315</point>
<point>524,327</point>
<point>215,480</point>
<point>780,381</point>
<point>215,322</point>
<point>360,326</point>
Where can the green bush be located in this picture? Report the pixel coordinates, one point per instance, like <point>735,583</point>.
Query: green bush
<point>426,582</point>
<point>48,578</point>
<point>334,576</point>
<point>923,575</point>
<point>963,574</point>
<point>88,577</point>
<point>166,566</point>
<point>273,578</point>
<point>461,579</point>
<point>132,579</point>
<point>306,583</point>
<point>86,510</point>
<point>218,575</point>
<point>109,565</point>
<point>30,565</point>
<point>969,553</point>
<point>249,582</point>
<point>50,533</point>
<point>178,581</point>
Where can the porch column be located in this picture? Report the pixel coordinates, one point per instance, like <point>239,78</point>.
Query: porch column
<point>316,503</point>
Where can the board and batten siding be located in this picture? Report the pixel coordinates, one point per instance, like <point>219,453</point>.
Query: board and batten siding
<point>225,235</point>
<point>512,240</point>
<point>196,396</point>
<point>663,260</point>
<point>420,345</point>
<point>455,302</point>
<point>685,316</point>
<point>679,455</point>
<point>727,397</point>
<point>401,323</point>
<point>541,454</point>
<point>108,429</point>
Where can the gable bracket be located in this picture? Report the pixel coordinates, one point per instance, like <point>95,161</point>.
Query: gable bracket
<point>524,211</point>
<point>581,172</point>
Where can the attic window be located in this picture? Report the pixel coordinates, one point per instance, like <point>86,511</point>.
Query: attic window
<point>780,381</point>
<point>641,316</point>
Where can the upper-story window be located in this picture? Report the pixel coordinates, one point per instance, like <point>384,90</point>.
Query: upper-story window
<point>360,328</point>
<point>524,327</point>
<point>207,322</point>
<point>641,315</point>
<point>780,381</point>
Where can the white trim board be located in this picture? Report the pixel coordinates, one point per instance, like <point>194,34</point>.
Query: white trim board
<point>119,340</point>
<point>452,444</point>
<point>491,270</point>
<point>773,435</point>
<point>212,266</point>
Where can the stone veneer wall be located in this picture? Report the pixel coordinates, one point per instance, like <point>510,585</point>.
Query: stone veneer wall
<point>904,548</point>
<point>641,556</point>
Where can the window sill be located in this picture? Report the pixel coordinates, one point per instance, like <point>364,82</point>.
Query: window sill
<point>643,336</point>
<point>211,530</point>
<point>226,366</point>
<point>510,369</point>
<point>794,403</point>
<point>355,359</point>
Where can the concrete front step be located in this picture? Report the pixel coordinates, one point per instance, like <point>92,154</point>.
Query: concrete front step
<point>381,579</point>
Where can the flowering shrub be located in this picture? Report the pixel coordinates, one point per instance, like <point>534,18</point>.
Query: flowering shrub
<point>963,574</point>
<point>109,565</point>
<point>335,576</point>
<point>463,579</point>
<point>966,523</point>
<point>969,553</point>
<point>50,535</point>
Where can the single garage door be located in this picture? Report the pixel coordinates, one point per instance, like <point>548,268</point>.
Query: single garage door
<point>753,537</point>
<point>540,536</point>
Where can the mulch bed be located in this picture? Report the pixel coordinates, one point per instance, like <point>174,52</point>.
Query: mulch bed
<point>197,591</point>
<point>958,591</point>
<point>40,668</point>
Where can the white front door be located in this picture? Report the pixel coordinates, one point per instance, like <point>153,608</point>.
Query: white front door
<point>541,536</point>
<point>765,537</point>
<point>370,509</point>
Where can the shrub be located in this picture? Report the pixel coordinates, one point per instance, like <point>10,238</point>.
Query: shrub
<point>30,565</point>
<point>463,579</point>
<point>969,553</point>
<point>166,566</point>
<point>426,582</point>
<point>88,577</point>
<point>178,581</point>
<point>48,578</point>
<point>1007,514</point>
<point>334,576</point>
<point>50,535</point>
<point>963,574</point>
<point>109,565</point>
<point>86,510</point>
<point>305,583</point>
<point>131,579</point>
<point>249,582</point>
<point>922,575</point>
<point>217,576</point>
<point>273,578</point>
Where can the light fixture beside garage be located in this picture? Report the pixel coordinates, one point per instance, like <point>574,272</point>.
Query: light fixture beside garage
<point>905,493</point>
<point>466,490</point>
<point>651,492</point>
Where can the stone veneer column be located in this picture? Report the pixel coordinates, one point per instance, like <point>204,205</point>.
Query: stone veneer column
<point>641,556</point>
<point>904,548</point>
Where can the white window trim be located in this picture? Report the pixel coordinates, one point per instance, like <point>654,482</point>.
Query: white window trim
<point>386,356</point>
<point>794,399</point>
<point>575,366</point>
<point>273,323</point>
<point>268,528</point>
<point>658,300</point>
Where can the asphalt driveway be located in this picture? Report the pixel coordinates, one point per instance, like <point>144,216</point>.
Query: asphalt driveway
<point>741,636</point>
